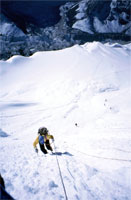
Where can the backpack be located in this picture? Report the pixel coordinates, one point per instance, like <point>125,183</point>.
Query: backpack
<point>41,139</point>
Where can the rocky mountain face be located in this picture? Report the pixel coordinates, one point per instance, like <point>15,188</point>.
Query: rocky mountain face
<point>31,26</point>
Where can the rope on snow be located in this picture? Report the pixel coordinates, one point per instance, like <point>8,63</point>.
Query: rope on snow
<point>60,173</point>
<point>100,157</point>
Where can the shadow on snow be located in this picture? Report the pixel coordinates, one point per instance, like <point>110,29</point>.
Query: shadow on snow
<point>3,134</point>
<point>60,153</point>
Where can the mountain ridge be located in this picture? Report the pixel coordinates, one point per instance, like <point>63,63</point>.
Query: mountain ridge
<point>67,23</point>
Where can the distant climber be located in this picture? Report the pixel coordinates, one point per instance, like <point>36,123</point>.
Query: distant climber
<point>43,140</point>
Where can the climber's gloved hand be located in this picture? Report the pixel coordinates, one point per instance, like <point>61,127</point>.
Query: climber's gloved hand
<point>36,150</point>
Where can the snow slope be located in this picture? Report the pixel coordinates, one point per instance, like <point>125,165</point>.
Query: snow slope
<point>88,85</point>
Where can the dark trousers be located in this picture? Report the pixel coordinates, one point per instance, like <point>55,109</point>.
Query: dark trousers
<point>47,144</point>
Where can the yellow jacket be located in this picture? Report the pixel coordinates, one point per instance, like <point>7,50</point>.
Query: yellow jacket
<point>45,139</point>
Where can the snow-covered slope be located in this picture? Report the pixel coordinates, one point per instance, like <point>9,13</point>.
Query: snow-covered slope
<point>88,85</point>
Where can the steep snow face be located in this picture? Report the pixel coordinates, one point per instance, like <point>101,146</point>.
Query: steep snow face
<point>112,16</point>
<point>82,95</point>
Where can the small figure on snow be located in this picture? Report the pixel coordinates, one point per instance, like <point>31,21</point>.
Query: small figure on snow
<point>43,140</point>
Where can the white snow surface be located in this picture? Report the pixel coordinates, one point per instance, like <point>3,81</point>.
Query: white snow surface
<point>89,85</point>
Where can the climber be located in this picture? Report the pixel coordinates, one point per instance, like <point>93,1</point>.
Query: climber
<point>43,140</point>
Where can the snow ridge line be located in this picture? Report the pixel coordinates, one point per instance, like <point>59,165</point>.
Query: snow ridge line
<point>60,173</point>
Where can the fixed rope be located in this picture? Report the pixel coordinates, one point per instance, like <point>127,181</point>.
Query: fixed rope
<point>100,157</point>
<point>60,173</point>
